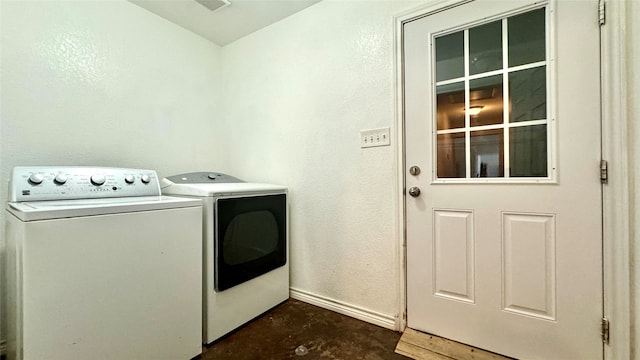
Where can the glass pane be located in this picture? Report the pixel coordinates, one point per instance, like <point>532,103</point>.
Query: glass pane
<point>526,34</point>
<point>487,148</point>
<point>451,156</point>
<point>486,101</point>
<point>485,48</point>
<point>528,94</point>
<point>528,151</point>
<point>450,106</point>
<point>250,236</point>
<point>450,56</point>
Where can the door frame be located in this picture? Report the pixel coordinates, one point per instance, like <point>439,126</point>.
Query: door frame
<point>615,149</point>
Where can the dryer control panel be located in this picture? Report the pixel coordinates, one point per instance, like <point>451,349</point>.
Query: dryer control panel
<point>209,177</point>
<point>36,183</point>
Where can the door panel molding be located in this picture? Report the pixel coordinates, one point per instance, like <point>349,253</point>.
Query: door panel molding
<point>453,255</point>
<point>528,270</point>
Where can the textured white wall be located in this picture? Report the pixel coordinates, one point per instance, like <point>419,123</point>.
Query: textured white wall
<point>108,83</point>
<point>296,95</point>
<point>104,83</point>
<point>634,119</point>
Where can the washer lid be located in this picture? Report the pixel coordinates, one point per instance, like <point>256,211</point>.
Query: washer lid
<point>219,189</point>
<point>56,209</point>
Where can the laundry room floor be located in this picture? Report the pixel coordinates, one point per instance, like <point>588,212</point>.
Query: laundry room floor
<point>325,334</point>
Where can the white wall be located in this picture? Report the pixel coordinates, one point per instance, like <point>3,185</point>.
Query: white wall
<point>108,83</point>
<point>296,95</point>
<point>104,83</point>
<point>633,87</point>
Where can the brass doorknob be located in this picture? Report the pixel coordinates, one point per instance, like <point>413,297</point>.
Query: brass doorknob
<point>414,191</point>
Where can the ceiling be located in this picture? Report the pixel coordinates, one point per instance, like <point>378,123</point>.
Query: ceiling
<point>228,23</point>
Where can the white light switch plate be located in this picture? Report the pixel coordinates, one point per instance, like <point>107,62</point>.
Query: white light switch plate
<point>375,137</point>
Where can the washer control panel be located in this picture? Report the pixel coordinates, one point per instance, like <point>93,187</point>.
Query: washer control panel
<point>36,183</point>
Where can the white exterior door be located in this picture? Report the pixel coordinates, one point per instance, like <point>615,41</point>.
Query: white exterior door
<point>502,116</point>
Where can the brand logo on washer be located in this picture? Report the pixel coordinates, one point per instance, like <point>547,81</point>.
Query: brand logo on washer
<point>26,192</point>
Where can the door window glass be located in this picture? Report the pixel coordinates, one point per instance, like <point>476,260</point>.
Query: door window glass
<point>449,97</point>
<point>528,94</point>
<point>491,94</point>
<point>485,48</point>
<point>485,101</point>
<point>486,153</point>
<point>528,146</point>
<point>526,38</point>
<point>450,57</point>
<point>451,155</point>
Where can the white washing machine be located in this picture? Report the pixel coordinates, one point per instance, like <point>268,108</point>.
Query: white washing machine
<point>246,263</point>
<point>101,266</point>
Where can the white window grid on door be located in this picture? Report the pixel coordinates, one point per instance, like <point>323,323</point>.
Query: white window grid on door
<point>506,125</point>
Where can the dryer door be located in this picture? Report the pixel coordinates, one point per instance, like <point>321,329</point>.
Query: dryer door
<point>250,238</point>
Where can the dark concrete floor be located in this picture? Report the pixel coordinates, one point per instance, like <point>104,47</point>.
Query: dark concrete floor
<point>326,334</point>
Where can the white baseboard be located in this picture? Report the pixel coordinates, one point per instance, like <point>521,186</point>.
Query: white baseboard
<point>383,320</point>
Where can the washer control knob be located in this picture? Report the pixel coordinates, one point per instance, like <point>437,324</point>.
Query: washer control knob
<point>36,178</point>
<point>145,179</point>
<point>129,179</point>
<point>212,176</point>
<point>98,179</point>
<point>60,179</point>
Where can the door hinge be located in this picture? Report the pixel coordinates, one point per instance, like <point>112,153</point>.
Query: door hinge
<point>604,171</point>
<point>601,12</point>
<point>605,330</point>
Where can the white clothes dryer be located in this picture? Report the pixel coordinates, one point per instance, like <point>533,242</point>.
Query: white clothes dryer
<point>101,266</point>
<point>246,263</point>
